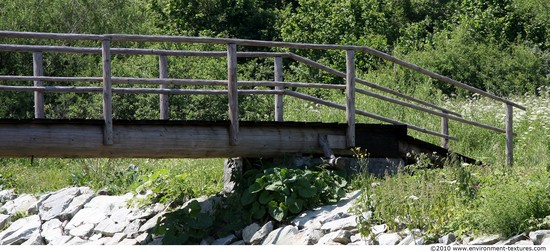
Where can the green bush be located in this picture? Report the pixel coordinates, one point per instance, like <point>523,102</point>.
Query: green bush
<point>282,192</point>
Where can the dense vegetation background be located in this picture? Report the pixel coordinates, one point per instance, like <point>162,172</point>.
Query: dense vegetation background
<point>501,46</point>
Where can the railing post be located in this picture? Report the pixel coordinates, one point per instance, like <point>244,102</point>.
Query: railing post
<point>38,70</point>
<point>445,130</point>
<point>233,96</point>
<point>509,135</point>
<point>164,98</point>
<point>279,97</point>
<point>350,98</point>
<point>107,93</point>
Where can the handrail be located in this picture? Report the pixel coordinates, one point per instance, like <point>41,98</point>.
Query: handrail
<point>232,83</point>
<point>248,42</point>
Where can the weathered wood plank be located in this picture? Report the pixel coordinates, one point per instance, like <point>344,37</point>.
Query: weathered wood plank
<point>350,97</point>
<point>164,98</point>
<point>163,140</point>
<point>38,70</point>
<point>509,135</point>
<point>278,76</point>
<point>445,131</point>
<point>107,93</point>
<point>232,94</point>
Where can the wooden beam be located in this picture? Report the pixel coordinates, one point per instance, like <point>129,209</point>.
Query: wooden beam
<point>445,131</point>
<point>164,98</point>
<point>38,70</point>
<point>107,93</point>
<point>232,93</point>
<point>278,68</point>
<point>509,135</point>
<point>350,98</point>
<point>164,139</point>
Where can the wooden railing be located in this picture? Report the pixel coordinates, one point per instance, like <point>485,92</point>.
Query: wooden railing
<point>233,83</point>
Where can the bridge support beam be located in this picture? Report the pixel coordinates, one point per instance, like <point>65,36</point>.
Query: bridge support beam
<point>38,70</point>
<point>233,96</point>
<point>107,93</point>
<point>350,98</point>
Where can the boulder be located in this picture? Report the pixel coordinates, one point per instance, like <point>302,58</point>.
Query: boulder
<point>259,237</point>
<point>35,239</point>
<point>76,205</point>
<point>77,241</point>
<point>447,239</point>
<point>56,203</point>
<point>485,240</point>
<point>127,242</point>
<point>25,203</point>
<point>225,240</point>
<point>116,239</point>
<point>538,235</point>
<point>86,216</point>
<point>20,231</point>
<point>52,230</point>
<point>62,240</point>
<point>388,239</point>
<point>249,231</point>
<point>108,204</point>
<point>307,236</point>
<point>151,223</point>
<point>83,231</point>
<point>339,224</point>
<point>7,195</point>
<point>341,237</point>
<point>378,229</point>
<point>281,236</point>
<point>4,220</point>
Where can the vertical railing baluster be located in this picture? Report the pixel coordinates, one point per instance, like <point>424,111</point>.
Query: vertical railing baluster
<point>509,135</point>
<point>38,70</point>
<point>350,98</point>
<point>445,131</point>
<point>233,95</point>
<point>279,110</point>
<point>107,93</point>
<point>164,98</point>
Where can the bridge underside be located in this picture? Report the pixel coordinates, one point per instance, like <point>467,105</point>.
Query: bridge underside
<point>195,139</point>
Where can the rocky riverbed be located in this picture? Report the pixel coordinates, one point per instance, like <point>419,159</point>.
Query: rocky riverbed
<point>78,215</point>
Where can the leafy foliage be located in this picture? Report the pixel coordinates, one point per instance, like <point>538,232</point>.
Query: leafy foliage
<point>187,225</point>
<point>283,192</point>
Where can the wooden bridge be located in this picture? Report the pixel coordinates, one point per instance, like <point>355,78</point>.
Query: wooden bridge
<point>43,137</point>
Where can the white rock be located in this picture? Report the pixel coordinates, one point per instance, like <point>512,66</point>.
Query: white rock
<point>538,235</point>
<point>116,239</point>
<point>109,227</point>
<point>132,229</point>
<point>127,242</point>
<point>512,240</point>
<point>77,241</point>
<point>101,241</point>
<point>524,243</point>
<point>281,236</point>
<point>378,229</point>
<point>4,219</point>
<point>76,205</point>
<point>107,204</point>
<point>388,239</point>
<point>6,195</point>
<point>447,239</point>
<point>545,242</point>
<point>225,240</point>
<point>86,216</point>
<point>144,238</point>
<point>345,223</point>
<point>25,203</point>
<point>95,237</point>
<point>20,230</point>
<point>408,240</point>
<point>56,203</point>
<point>145,212</point>
<point>249,231</point>
<point>307,236</point>
<point>259,237</point>
<point>35,239</point>
<point>83,230</point>
<point>151,223</point>
<point>52,230</point>
<point>485,240</point>
<point>62,240</point>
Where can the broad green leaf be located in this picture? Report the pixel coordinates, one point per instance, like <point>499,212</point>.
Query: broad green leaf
<point>265,197</point>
